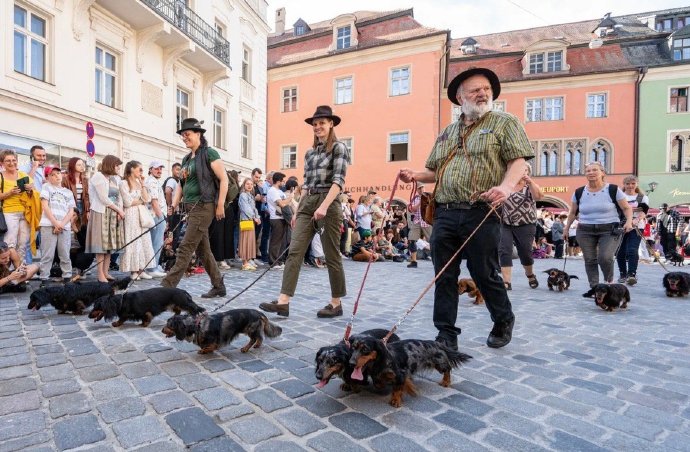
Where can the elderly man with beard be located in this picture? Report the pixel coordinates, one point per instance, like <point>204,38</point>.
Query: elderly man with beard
<point>476,162</point>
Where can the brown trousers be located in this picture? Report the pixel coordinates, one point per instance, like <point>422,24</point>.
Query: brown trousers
<point>330,240</point>
<point>195,239</point>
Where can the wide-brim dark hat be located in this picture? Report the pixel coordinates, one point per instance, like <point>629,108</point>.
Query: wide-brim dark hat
<point>191,124</point>
<point>454,85</point>
<point>324,111</point>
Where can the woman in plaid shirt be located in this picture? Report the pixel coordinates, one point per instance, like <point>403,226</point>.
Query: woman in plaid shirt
<point>325,166</point>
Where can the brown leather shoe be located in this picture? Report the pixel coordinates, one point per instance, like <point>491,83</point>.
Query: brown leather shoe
<point>215,292</point>
<point>330,311</point>
<point>280,309</point>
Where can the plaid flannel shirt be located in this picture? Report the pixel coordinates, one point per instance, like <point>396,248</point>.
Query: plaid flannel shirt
<point>323,169</point>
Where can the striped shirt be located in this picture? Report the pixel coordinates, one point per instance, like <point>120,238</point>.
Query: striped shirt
<point>323,169</point>
<point>494,140</point>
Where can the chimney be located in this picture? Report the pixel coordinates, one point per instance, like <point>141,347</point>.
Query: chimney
<point>280,21</point>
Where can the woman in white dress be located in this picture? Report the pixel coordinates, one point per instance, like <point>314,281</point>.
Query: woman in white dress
<point>138,254</point>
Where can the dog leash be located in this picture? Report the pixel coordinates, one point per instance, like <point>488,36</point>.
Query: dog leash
<point>650,249</point>
<point>436,277</point>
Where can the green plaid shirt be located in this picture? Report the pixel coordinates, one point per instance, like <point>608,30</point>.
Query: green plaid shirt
<point>496,139</point>
<point>323,169</point>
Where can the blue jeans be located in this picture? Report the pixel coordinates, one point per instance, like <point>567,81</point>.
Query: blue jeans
<point>451,229</point>
<point>599,247</point>
<point>157,237</point>
<point>265,235</point>
<point>628,253</point>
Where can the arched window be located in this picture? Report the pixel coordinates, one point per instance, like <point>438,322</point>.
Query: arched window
<point>568,160</point>
<point>577,161</point>
<point>544,163</point>
<point>573,157</point>
<point>601,152</point>
<point>553,160</point>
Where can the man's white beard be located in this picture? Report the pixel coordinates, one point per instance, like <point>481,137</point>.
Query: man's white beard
<point>473,111</point>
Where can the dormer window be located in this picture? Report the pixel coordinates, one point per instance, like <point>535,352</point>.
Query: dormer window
<point>469,46</point>
<point>664,25</point>
<point>545,56</point>
<point>300,27</point>
<point>343,38</point>
<point>606,27</point>
<point>299,30</point>
<point>681,49</point>
<point>553,63</point>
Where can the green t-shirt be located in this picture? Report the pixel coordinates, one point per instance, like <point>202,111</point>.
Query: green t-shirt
<point>190,189</point>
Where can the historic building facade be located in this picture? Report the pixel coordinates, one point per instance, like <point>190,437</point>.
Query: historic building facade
<point>134,69</point>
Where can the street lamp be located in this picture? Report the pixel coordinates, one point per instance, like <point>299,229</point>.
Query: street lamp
<point>652,186</point>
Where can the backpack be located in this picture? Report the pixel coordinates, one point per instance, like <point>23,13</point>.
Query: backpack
<point>613,190</point>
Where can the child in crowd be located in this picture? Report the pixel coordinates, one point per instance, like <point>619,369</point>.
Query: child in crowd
<point>56,234</point>
<point>364,249</point>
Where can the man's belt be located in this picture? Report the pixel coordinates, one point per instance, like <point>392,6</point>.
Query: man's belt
<point>463,205</point>
<point>317,190</point>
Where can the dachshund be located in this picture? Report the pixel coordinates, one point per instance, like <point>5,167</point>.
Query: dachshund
<point>677,284</point>
<point>558,278</point>
<point>611,296</point>
<point>468,286</point>
<point>74,296</point>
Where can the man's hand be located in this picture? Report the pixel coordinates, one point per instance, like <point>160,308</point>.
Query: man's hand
<point>406,175</point>
<point>496,195</point>
<point>220,212</point>
<point>320,212</point>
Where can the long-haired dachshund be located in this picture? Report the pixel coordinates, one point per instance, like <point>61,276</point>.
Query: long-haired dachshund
<point>211,332</point>
<point>143,305</point>
<point>677,284</point>
<point>398,361</point>
<point>468,286</point>
<point>74,296</point>
<point>334,360</point>
<point>611,296</point>
<point>558,278</point>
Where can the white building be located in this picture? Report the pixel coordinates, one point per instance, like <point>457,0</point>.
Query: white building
<point>134,68</point>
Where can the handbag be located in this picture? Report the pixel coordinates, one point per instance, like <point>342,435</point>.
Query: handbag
<point>246,225</point>
<point>427,205</point>
<point>3,223</point>
<point>145,218</point>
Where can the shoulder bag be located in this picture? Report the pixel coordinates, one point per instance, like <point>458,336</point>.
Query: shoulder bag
<point>427,203</point>
<point>145,218</point>
<point>3,223</point>
<point>246,225</point>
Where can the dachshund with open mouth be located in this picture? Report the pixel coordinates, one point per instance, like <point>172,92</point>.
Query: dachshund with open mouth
<point>611,296</point>
<point>677,284</point>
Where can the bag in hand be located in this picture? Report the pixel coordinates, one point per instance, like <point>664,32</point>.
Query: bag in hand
<point>427,207</point>
<point>145,218</point>
<point>246,225</point>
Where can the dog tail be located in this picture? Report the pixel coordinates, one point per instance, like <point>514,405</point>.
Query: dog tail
<point>574,277</point>
<point>457,358</point>
<point>270,329</point>
<point>194,308</point>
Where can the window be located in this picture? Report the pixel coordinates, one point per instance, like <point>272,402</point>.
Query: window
<point>681,49</point>
<point>106,77</point>
<point>343,90</point>
<point>343,38</point>
<point>399,143</point>
<point>300,30</point>
<point>679,100</point>
<point>289,154</point>
<point>536,63</point>
<point>664,25</point>
<point>247,64</point>
<point>348,143</point>
<point>554,61</point>
<point>601,152</point>
<point>682,21</point>
<point>680,157</point>
<point>547,109</point>
<point>220,29</point>
<point>596,105</point>
<point>499,105</point>
<point>400,81</point>
<point>573,158</point>
<point>218,128</point>
<point>289,99</point>
<point>182,106</point>
<point>456,112</point>
<point>30,43</point>
<point>246,140</point>
<point>549,153</point>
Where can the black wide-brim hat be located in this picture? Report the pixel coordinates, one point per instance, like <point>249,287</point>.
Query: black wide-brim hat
<point>324,111</point>
<point>191,124</point>
<point>454,85</point>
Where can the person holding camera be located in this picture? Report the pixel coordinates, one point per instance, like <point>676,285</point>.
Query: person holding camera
<point>599,231</point>
<point>15,185</point>
<point>13,272</point>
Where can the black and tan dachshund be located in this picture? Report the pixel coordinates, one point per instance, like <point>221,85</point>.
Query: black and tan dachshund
<point>213,331</point>
<point>74,296</point>
<point>677,284</point>
<point>611,296</point>
<point>143,305</point>
<point>334,360</point>
<point>559,279</point>
<point>396,362</point>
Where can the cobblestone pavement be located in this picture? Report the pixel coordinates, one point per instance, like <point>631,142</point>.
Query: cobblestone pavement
<point>574,377</point>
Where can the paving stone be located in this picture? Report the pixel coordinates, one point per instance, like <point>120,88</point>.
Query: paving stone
<point>254,429</point>
<point>357,425</point>
<point>668,420</point>
<point>216,398</point>
<point>505,441</point>
<point>16,386</point>
<point>12,342</point>
<point>514,423</point>
<point>112,389</point>
<point>169,401</point>
<point>76,403</point>
<point>544,384</point>
<point>393,442</point>
<point>60,387</point>
<point>648,401</point>
<point>576,355</point>
<point>76,431</point>
<point>165,356</point>
<point>50,360</point>
<point>299,422</point>
<point>154,384</point>
<point>278,446</point>
<point>411,422</point>
<point>128,357</point>
<point>594,399</point>
<point>628,425</point>
<point>621,442</point>
<point>16,403</point>
<point>475,390</point>
<point>59,372</point>
<point>530,360</point>
<point>578,427</point>
<point>255,365</point>
<point>177,368</point>
<point>48,349</point>
<point>225,443</point>
<point>217,365</point>
<point>467,404</point>
<point>119,409</point>
<point>192,425</point>
<point>80,347</point>
<point>677,441</point>
<point>30,442</point>
<point>267,399</point>
<point>446,440</point>
<point>132,432</point>
<point>273,375</point>
<point>238,380</point>
<point>163,446</point>
<point>593,366</point>
<point>138,370</point>
<point>195,382</point>
<point>99,373</point>
<point>14,360</point>
<point>80,362</point>
<point>566,406</point>
<point>18,424</point>
<point>321,405</point>
<point>330,441</point>
<point>293,388</point>
<point>460,421</point>
<point>288,364</point>
<point>564,441</point>
<point>234,412</point>
<point>155,348</point>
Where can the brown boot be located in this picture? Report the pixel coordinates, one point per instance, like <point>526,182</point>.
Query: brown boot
<point>280,309</point>
<point>215,292</point>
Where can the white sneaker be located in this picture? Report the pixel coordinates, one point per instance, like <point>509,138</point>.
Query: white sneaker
<point>156,274</point>
<point>278,267</point>
<point>145,275</point>
<point>222,265</point>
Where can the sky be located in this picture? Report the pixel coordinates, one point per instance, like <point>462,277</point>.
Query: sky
<point>465,18</point>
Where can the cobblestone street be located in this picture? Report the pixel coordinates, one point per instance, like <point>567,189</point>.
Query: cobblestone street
<point>573,378</point>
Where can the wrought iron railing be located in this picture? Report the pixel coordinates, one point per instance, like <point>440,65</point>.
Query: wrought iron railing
<point>187,21</point>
